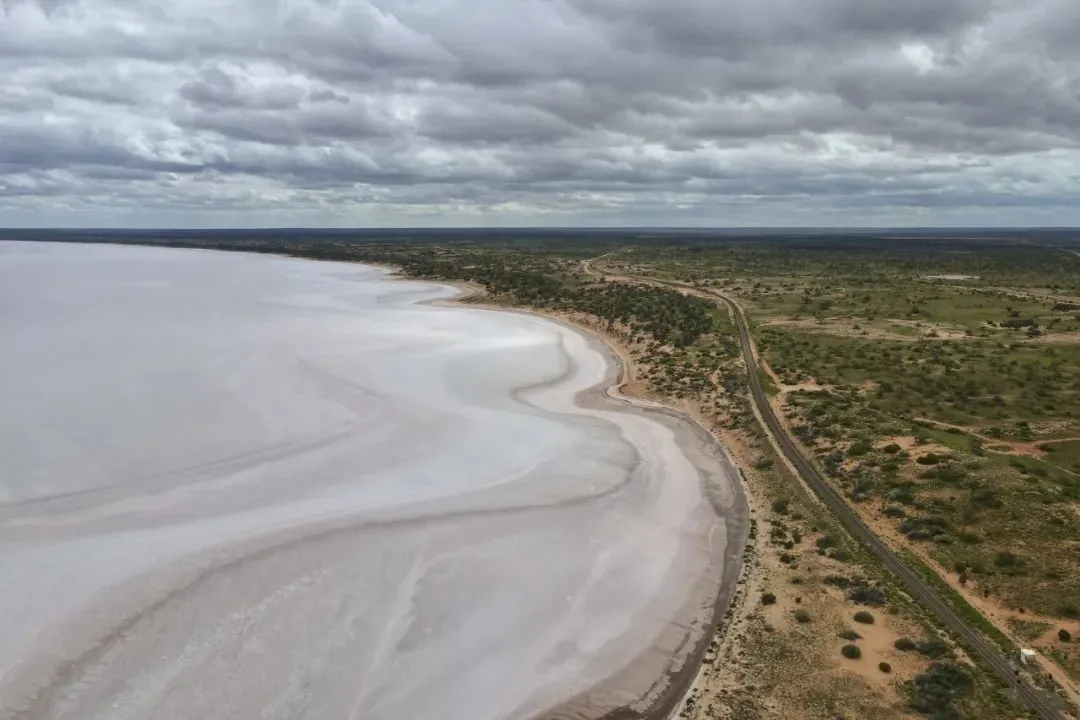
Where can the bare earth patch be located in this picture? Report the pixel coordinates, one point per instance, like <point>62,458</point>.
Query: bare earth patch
<point>932,330</point>
<point>951,276</point>
<point>906,442</point>
<point>913,447</point>
<point>1033,448</point>
<point>871,330</point>
<point>768,664</point>
<point>1063,338</point>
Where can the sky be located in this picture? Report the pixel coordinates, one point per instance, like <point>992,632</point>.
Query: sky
<point>369,113</point>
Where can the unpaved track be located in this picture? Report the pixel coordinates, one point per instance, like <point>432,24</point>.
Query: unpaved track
<point>1042,703</point>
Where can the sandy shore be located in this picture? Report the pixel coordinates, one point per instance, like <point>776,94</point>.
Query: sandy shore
<point>671,671</point>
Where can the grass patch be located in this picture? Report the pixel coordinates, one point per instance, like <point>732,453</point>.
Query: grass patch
<point>1028,629</point>
<point>767,383</point>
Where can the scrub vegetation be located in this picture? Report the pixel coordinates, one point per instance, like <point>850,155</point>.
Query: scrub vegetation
<point>936,382</point>
<point>939,387</point>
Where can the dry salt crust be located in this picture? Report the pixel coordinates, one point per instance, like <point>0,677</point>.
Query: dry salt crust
<point>239,486</point>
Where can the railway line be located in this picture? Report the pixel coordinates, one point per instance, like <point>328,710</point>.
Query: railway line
<point>1036,700</point>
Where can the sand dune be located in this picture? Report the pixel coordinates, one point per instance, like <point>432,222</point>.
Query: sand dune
<point>242,486</point>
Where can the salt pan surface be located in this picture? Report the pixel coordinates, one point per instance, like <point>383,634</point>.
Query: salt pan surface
<point>239,486</point>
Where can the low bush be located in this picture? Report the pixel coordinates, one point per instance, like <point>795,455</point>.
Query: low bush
<point>936,691</point>
<point>934,649</point>
<point>859,448</point>
<point>839,581</point>
<point>901,495</point>
<point>851,652</point>
<point>866,595</point>
<point>801,616</point>
<point>1006,560</point>
<point>905,644</point>
<point>968,538</point>
<point>768,599</point>
<point>1064,635</point>
<point>884,667</point>
<point>850,635</point>
<point>864,617</point>
<point>826,541</point>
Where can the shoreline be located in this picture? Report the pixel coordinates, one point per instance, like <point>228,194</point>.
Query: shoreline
<point>678,683</point>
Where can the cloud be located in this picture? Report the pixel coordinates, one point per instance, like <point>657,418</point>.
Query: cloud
<point>665,112</point>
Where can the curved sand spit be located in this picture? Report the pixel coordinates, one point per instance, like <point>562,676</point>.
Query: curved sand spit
<point>240,486</point>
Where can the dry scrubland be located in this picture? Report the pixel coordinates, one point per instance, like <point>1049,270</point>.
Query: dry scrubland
<point>941,393</point>
<point>935,382</point>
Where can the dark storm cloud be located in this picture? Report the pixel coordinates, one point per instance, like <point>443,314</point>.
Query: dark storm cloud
<point>390,109</point>
<point>30,149</point>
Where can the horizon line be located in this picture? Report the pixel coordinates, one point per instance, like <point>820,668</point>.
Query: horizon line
<point>556,228</point>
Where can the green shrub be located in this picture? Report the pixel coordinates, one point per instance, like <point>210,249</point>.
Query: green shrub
<point>768,599</point>
<point>802,616</point>
<point>901,495</point>
<point>864,617</point>
<point>936,691</point>
<point>1064,635</point>
<point>780,507</point>
<point>986,497</point>
<point>1006,559</point>
<point>850,635</point>
<point>827,541</point>
<point>905,644</point>
<point>866,595</point>
<point>884,667</point>
<point>851,652</point>
<point>839,581</point>
<point>859,448</point>
<point>968,538</point>
<point>934,648</point>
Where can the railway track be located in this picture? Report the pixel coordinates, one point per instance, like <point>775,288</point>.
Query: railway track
<point>919,589</point>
